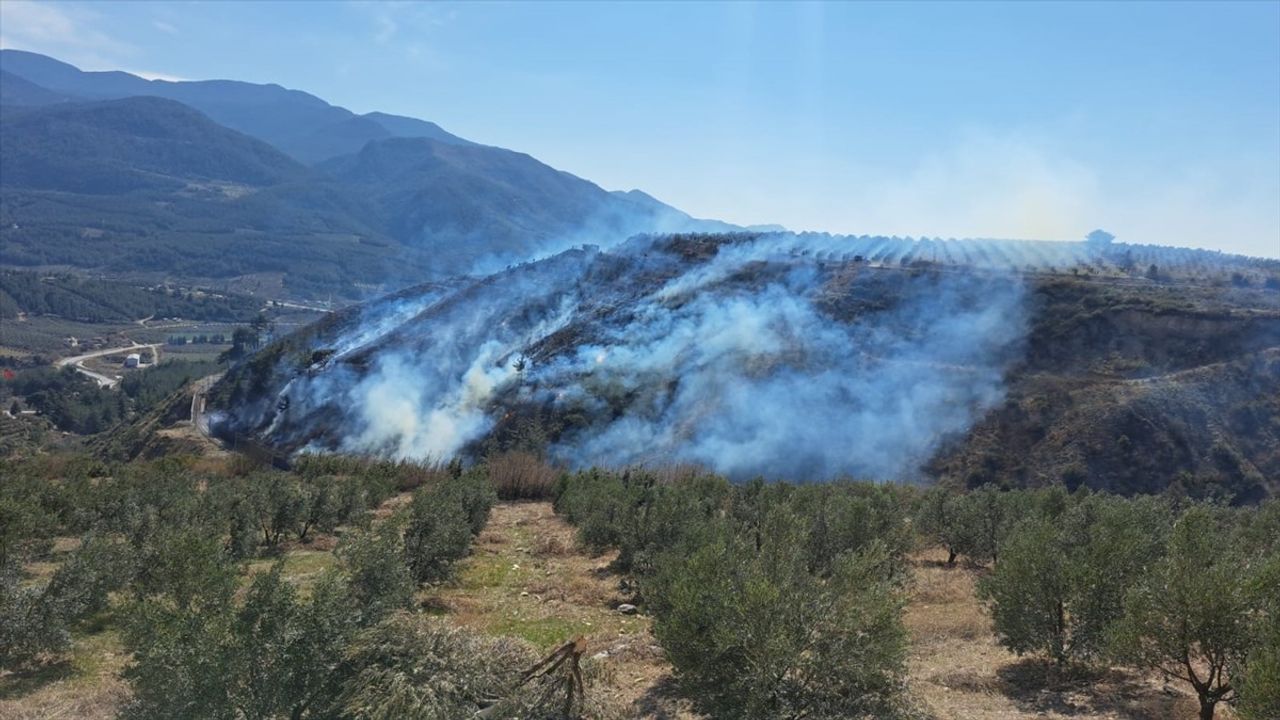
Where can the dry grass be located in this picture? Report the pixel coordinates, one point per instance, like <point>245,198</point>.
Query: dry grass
<point>85,685</point>
<point>957,671</point>
<point>521,476</point>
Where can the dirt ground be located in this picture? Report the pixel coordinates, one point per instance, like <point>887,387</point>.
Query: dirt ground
<point>957,671</point>
<point>527,577</point>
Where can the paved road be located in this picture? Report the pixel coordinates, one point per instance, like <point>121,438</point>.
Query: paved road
<point>103,380</point>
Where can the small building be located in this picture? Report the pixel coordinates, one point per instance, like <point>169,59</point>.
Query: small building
<point>132,360</point>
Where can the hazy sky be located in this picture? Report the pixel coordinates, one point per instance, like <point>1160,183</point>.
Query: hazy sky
<point>1158,122</point>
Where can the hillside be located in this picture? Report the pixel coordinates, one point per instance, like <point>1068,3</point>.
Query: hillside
<point>204,182</point>
<point>151,189</point>
<point>729,351</point>
<point>131,145</point>
<point>464,200</point>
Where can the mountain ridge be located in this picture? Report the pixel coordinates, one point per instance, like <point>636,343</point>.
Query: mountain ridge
<point>300,124</point>
<point>394,210</point>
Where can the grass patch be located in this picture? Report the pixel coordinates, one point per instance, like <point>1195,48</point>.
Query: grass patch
<point>301,567</point>
<point>543,632</point>
<point>490,571</point>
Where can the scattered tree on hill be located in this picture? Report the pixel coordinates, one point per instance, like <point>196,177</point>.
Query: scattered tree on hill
<point>1100,238</point>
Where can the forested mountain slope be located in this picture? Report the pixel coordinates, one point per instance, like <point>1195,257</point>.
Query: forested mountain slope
<point>169,181</point>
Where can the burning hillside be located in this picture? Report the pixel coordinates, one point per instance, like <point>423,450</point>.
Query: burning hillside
<point>803,356</point>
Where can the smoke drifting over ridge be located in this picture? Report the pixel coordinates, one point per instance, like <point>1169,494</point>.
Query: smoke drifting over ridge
<point>777,354</point>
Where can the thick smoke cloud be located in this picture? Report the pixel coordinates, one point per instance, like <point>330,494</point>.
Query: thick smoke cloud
<point>758,355</point>
<point>762,382</point>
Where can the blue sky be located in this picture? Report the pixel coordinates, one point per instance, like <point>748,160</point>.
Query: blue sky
<point>1159,122</point>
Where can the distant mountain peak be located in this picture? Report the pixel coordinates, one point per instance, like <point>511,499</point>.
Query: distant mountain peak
<point>302,125</point>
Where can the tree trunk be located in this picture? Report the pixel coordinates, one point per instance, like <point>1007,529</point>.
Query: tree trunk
<point>1206,708</point>
<point>951,557</point>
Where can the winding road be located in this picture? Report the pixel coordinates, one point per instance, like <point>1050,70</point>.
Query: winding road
<point>77,361</point>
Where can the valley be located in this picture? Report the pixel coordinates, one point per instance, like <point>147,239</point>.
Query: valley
<point>313,409</point>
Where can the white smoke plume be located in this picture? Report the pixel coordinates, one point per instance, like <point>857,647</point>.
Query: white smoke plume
<point>776,355</point>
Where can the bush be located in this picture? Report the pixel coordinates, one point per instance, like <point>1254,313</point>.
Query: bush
<point>593,500</point>
<point>753,633</point>
<point>637,511</point>
<point>38,618</point>
<point>31,626</point>
<point>471,492</point>
<point>940,519</point>
<point>1259,687</point>
<point>183,566</point>
<point>849,517</point>
<point>1029,592</point>
<point>419,668</point>
<point>281,505</point>
<point>990,514</point>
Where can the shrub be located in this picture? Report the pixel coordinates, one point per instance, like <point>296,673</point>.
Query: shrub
<point>848,517</point>
<point>1259,689</point>
<point>593,500</point>
<point>990,514</point>
<point>183,565</point>
<point>322,506</point>
<point>1029,592</point>
<point>281,505</point>
<point>419,668</point>
<point>31,626</point>
<point>471,492</point>
<point>941,519</point>
<point>660,516</point>
<point>435,536</point>
<point>440,524</point>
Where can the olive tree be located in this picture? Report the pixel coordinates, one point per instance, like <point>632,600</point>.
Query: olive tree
<point>1194,616</point>
<point>38,618</point>
<point>751,632</point>
<point>1260,677</point>
<point>941,519</point>
<point>1060,583</point>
